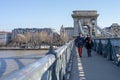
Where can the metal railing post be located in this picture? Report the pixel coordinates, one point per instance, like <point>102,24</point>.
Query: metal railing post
<point>109,50</point>
<point>94,46</point>
<point>52,51</point>
<point>99,47</point>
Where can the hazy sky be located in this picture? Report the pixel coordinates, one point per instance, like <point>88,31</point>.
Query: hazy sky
<point>54,13</point>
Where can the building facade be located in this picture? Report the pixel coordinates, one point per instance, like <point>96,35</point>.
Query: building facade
<point>67,32</point>
<point>114,29</point>
<point>32,30</point>
<point>5,37</point>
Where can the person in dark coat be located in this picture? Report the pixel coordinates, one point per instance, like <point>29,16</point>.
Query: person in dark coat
<point>79,42</point>
<point>88,45</point>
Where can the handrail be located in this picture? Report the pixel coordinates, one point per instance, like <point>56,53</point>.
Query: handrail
<point>109,48</point>
<point>46,68</point>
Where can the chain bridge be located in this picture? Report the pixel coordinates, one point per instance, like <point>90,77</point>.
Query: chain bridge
<point>89,19</point>
<point>64,62</point>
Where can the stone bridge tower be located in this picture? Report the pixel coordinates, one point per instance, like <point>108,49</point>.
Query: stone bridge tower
<point>85,18</point>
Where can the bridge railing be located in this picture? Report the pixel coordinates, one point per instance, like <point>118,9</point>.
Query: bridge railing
<point>109,48</point>
<point>51,67</point>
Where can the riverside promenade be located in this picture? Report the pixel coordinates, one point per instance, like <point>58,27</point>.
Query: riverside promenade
<point>93,68</point>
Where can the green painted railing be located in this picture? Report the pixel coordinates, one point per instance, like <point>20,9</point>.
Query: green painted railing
<point>109,48</point>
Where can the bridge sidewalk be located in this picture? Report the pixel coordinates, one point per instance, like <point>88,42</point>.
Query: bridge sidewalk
<point>93,68</point>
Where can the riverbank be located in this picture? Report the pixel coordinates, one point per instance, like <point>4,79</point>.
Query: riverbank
<point>17,48</point>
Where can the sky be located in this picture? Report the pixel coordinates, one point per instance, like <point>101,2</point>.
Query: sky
<point>54,13</point>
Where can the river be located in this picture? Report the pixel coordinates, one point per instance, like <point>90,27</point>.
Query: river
<point>11,60</point>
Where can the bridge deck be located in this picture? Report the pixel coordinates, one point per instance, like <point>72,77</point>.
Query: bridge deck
<point>93,68</point>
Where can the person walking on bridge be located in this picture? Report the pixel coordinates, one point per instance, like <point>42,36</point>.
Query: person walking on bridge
<point>88,45</point>
<point>79,42</point>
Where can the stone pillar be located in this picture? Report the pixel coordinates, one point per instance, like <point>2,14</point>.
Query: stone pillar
<point>90,29</point>
<point>76,27</point>
<point>94,31</point>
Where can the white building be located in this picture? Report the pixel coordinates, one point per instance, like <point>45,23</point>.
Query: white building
<point>33,30</point>
<point>114,29</point>
<point>67,32</point>
<point>5,37</point>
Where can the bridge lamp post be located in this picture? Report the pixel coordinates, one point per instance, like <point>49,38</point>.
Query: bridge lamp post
<point>93,26</point>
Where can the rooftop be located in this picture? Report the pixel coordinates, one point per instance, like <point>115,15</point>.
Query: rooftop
<point>5,32</point>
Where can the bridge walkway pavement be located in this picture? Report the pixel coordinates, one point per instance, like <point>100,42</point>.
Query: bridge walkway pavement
<point>93,68</point>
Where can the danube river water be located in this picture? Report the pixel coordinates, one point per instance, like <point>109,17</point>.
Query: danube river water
<point>11,60</point>
<point>21,53</point>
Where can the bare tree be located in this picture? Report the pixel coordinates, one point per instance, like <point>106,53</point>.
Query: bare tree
<point>64,37</point>
<point>34,40</point>
<point>18,40</point>
<point>43,37</point>
<point>27,38</point>
<point>56,39</point>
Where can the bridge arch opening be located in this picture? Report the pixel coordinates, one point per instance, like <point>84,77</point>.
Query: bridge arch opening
<point>86,18</point>
<point>86,30</point>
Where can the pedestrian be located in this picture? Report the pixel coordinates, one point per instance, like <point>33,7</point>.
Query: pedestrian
<point>79,42</point>
<point>88,45</point>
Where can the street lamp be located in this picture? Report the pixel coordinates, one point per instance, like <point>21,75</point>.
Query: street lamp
<point>93,21</point>
<point>93,27</point>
